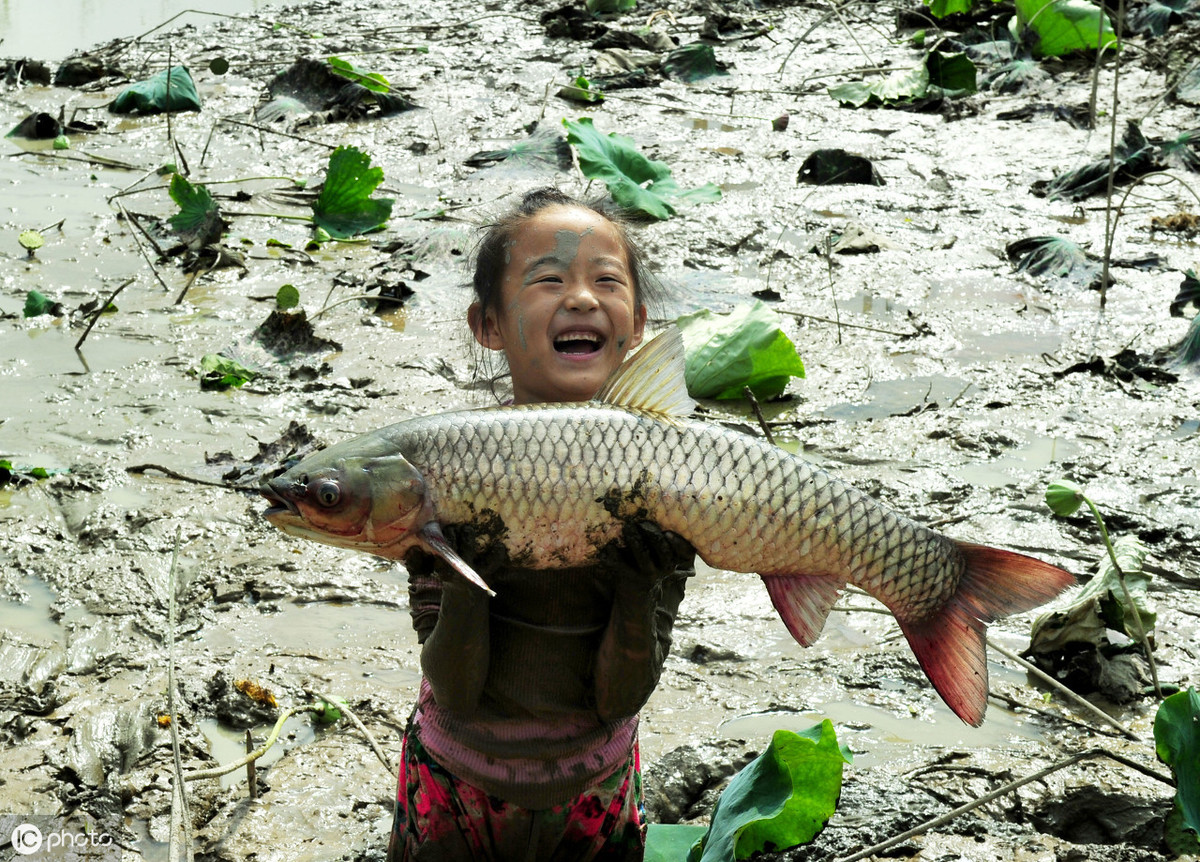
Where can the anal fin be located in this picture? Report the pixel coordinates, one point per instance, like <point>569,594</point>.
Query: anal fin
<point>803,602</point>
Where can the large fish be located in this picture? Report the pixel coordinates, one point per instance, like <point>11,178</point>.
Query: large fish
<point>557,481</point>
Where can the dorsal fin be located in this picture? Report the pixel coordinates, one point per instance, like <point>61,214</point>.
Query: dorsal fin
<point>652,379</point>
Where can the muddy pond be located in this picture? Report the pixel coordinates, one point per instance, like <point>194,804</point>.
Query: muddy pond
<point>940,379</point>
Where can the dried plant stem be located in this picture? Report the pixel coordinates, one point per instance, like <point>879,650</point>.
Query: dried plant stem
<point>748,394</point>
<point>136,222</point>
<point>349,713</point>
<point>1129,603</point>
<point>837,312</point>
<point>1001,791</point>
<point>138,469</point>
<point>100,310</point>
<point>845,325</point>
<point>835,12</point>
<point>218,771</point>
<point>137,39</point>
<point>271,131</point>
<point>360,297</point>
<point>1064,691</point>
<point>141,248</point>
<point>180,849</point>
<point>251,769</point>
<point>187,284</point>
<point>76,156</point>
<point>1109,223</point>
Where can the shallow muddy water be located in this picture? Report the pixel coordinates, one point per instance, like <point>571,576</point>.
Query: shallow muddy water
<point>55,29</point>
<point>932,384</point>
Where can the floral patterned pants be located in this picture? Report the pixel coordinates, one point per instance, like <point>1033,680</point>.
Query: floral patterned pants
<point>440,817</point>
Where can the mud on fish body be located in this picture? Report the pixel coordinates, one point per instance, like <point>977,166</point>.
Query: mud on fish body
<point>561,479</point>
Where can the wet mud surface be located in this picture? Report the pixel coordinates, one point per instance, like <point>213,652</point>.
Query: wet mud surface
<point>941,392</point>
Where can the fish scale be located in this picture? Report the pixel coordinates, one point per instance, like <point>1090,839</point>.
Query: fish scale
<point>556,483</point>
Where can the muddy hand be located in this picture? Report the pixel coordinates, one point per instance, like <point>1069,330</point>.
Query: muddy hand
<point>648,552</point>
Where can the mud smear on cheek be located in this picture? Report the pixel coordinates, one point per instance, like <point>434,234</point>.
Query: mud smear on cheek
<point>517,313</point>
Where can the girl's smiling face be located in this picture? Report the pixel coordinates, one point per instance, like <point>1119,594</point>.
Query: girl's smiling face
<point>567,312</point>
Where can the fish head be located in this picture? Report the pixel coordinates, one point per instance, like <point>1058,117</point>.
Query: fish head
<point>371,502</point>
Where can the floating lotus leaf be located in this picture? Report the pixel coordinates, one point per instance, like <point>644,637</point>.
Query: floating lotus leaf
<point>635,182</point>
<point>345,207</point>
<point>169,91</point>
<point>725,353</point>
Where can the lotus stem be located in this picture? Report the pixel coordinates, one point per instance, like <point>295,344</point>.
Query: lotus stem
<point>1137,614</point>
<point>218,771</point>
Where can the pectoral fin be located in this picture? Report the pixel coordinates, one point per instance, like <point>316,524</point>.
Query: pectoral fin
<point>432,539</point>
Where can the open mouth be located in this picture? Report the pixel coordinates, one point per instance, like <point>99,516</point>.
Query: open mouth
<point>279,503</point>
<point>578,343</point>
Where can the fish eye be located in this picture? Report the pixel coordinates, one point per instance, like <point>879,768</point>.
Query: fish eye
<point>328,494</point>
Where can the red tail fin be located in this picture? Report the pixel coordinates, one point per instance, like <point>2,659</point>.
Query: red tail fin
<point>950,645</point>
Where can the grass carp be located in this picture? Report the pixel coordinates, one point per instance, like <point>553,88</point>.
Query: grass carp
<point>558,481</point>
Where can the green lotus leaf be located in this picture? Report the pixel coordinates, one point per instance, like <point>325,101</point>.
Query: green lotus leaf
<point>345,207</point>
<point>1056,257</point>
<point>610,7</point>
<point>635,182</point>
<point>1182,152</point>
<point>692,62</point>
<point>373,81</point>
<point>954,73</point>
<point>221,372</point>
<point>36,304</point>
<point>1177,744</point>
<point>31,240</point>
<point>725,353</point>
<point>167,92</point>
<point>199,220</point>
<point>902,86</point>
<point>287,297</point>
<point>1062,26</point>
<point>782,799</point>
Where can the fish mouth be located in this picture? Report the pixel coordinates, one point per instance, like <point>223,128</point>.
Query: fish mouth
<point>579,342</point>
<point>280,505</point>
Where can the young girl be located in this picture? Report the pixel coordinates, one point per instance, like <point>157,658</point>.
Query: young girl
<point>523,742</point>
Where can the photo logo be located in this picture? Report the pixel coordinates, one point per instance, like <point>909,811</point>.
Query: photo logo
<point>27,839</point>
<point>58,839</point>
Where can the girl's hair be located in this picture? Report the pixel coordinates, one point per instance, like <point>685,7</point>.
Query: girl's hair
<point>491,254</point>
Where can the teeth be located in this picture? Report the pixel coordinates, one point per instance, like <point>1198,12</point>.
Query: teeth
<point>577,336</point>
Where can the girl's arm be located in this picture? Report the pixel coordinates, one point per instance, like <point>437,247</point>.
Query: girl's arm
<point>454,658</point>
<point>455,647</point>
<point>649,569</point>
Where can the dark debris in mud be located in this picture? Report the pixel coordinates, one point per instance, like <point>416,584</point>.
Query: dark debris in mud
<point>685,783</point>
<point>271,459</point>
<point>309,92</point>
<point>1128,366</point>
<point>287,334</point>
